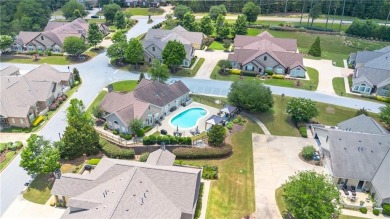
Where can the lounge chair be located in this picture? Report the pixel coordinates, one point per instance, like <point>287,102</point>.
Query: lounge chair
<point>353,188</point>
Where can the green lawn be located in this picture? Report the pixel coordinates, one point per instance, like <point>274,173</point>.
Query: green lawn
<point>124,86</point>
<point>39,189</point>
<point>97,100</point>
<point>186,72</point>
<point>253,31</point>
<point>217,46</point>
<point>52,60</point>
<point>8,157</point>
<point>144,11</point>
<point>338,85</point>
<point>305,84</point>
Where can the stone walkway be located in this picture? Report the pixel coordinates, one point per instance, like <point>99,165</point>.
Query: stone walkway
<point>262,126</point>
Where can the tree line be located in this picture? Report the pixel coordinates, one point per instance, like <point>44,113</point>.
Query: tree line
<point>364,9</point>
<point>369,29</point>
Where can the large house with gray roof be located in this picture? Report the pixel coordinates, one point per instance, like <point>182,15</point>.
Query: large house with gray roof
<point>372,72</point>
<point>357,153</point>
<point>155,41</point>
<point>53,36</point>
<point>149,101</point>
<point>24,97</point>
<point>264,53</point>
<point>131,189</point>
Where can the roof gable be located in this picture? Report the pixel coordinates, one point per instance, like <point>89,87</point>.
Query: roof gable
<point>362,123</point>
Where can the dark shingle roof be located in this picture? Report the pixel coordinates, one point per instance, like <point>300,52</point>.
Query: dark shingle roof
<point>374,76</point>
<point>362,123</point>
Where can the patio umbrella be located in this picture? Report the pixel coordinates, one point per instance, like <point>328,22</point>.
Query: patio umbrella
<point>197,129</point>
<point>177,128</point>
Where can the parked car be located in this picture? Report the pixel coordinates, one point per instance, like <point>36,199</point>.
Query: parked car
<point>94,16</point>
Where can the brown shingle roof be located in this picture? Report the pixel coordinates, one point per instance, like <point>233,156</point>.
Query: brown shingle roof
<point>286,44</point>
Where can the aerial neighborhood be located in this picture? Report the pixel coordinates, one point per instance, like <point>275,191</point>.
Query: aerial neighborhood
<point>195,109</point>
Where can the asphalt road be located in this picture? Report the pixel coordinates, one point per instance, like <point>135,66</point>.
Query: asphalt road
<point>97,74</point>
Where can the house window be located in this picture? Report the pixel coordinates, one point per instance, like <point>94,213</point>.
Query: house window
<point>153,48</point>
<point>250,67</point>
<point>368,90</point>
<point>265,58</point>
<point>12,120</point>
<point>355,88</point>
<point>150,59</point>
<point>30,48</point>
<point>40,48</point>
<point>279,70</point>
<point>21,121</point>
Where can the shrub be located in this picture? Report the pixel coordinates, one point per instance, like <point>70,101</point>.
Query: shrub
<point>302,109</point>
<point>384,99</point>
<point>3,147</point>
<point>363,210</point>
<point>128,137</point>
<point>37,121</point>
<point>53,107</point>
<point>210,172</point>
<point>376,212</point>
<point>105,126</point>
<point>52,203</point>
<point>308,152</point>
<point>114,151</point>
<point>115,132</point>
<point>168,139</point>
<point>303,132</point>
<point>250,74</point>
<point>202,153</point>
<point>235,71</point>
<point>93,161</point>
<point>140,133</point>
<point>269,72</point>
<point>144,157</point>
<point>18,144</point>
<point>11,146</point>
<point>229,125</point>
<point>147,128</point>
<point>386,209</point>
<point>217,134</point>
<point>278,76</point>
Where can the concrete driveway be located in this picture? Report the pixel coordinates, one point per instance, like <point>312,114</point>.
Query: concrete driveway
<point>275,159</point>
<point>211,59</point>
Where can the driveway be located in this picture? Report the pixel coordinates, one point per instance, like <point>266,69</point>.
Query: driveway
<point>326,72</point>
<point>211,60</point>
<point>275,159</point>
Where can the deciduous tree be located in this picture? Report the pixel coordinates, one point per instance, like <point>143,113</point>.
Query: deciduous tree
<point>315,49</point>
<point>241,25</point>
<point>39,156</point>
<point>302,109</point>
<point>315,11</point>
<point>110,10</point>
<point>311,195</point>
<point>226,44</point>
<point>119,36</point>
<point>206,26</point>
<point>216,10</point>
<point>384,114</point>
<point>94,35</point>
<point>242,94</point>
<point>5,42</point>
<point>251,10</point>
<point>180,11</point>
<point>188,22</point>
<point>224,64</point>
<point>134,52</point>
<point>117,51</point>
<point>217,135</point>
<point>174,53</point>
<point>120,20</point>
<point>223,27</point>
<point>74,45</point>
<point>136,125</point>
<point>159,71</point>
<point>68,10</point>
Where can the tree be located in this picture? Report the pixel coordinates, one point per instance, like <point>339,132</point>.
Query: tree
<point>315,12</point>
<point>74,45</point>
<point>119,36</point>
<point>361,111</point>
<point>158,71</point>
<point>39,156</point>
<point>117,51</point>
<point>384,114</point>
<point>311,195</point>
<point>226,44</point>
<point>94,35</point>
<point>208,41</point>
<point>136,125</point>
<point>134,52</point>
<point>216,10</point>
<point>5,42</point>
<point>302,109</point>
<point>173,54</point>
<point>315,49</point>
<point>180,11</point>
<point>80,136</point>
<point>141,76</point>
<point>120,20</point>
<point>223,28</point>
<point>110,10</point>
<point>206,26</point>
<point>188,22</point>
<point>251,10</point>
<point>29,15</point>
<point>217,135</point>
<point>70,8</point>
<point>76,75</point>
<point>224,64</point>
<point>243,93</point>
<point>97,112</point>
<point>241,25</point>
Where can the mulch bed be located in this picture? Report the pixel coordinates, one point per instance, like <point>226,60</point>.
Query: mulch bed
<point>2,157</point>
<point>312,162</point>
<point>236,128</point>
<point>80,160</point>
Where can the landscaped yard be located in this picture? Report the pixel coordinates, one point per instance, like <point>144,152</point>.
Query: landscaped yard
<point>52,60</point>
<point>144,11</point>
<point>39,189</point>
<point>305,84</point>
<point>338,85</point>
<point>97,100</point>
<point>186,72</point>
<point>8,157</point>
<point>217,46</point>
<point>124,86</point>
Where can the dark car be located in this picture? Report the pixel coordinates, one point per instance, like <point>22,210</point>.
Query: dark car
<point>163,132</point>
<point>94,16</point>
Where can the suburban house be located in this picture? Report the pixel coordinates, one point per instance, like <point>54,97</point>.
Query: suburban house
<point>357,153</point>
<point>24,97</point>
<point>131,189</point>
<point>53,36</point>
<point>156,39</point>
<point>264,53</point>
<point>372,72</point>
<point>143,3</point>
<point>149,101</point>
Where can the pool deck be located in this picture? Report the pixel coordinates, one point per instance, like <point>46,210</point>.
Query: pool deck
<point>166,122</point>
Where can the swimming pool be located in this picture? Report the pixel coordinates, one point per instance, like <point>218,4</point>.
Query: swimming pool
<point>188,118</point>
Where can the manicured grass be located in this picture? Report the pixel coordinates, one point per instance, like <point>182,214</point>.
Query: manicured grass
<point>124,86</point>
<point>52,60</point>
<point>39,189</point>
<point>186,72</point>
<point>97,100</point>
<point>217,46</point>
<point>338,85</point>
<point>96,20</point>
<point>144,11</point>
<point>305,84</point>
<point>253,32</point>
<point>210,101</point>
<point>8,157</point>
<point>92,52</point>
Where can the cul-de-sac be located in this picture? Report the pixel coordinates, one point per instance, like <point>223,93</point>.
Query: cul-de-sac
<point>176,109</point>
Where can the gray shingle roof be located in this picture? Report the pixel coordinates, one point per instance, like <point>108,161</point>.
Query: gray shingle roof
<point>374,76</point>
<point>381,180</point>
<point>362,123</point>
<point>379,59</point>
<point>10,70</point>
<point>129,189</point>
<point>161,157</point>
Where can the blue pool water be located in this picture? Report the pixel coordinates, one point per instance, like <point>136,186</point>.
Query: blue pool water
<point>188,118</point>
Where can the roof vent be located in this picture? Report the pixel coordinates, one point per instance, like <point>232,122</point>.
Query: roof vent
<point>134,195</point>
<point>140,181</point>
<point>345,148</point>
<point>360,140</point>
<point>372,151</point>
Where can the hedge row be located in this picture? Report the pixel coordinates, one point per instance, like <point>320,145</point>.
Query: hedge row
<point>202,153</point>
<point>10,146</point>
<point>168,139</point>
<point>114,151</point>
<point>303,132</point>
<point>386,209</point>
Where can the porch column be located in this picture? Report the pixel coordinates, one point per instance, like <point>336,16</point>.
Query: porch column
<point>56,198</point>
<point>63,199</point>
